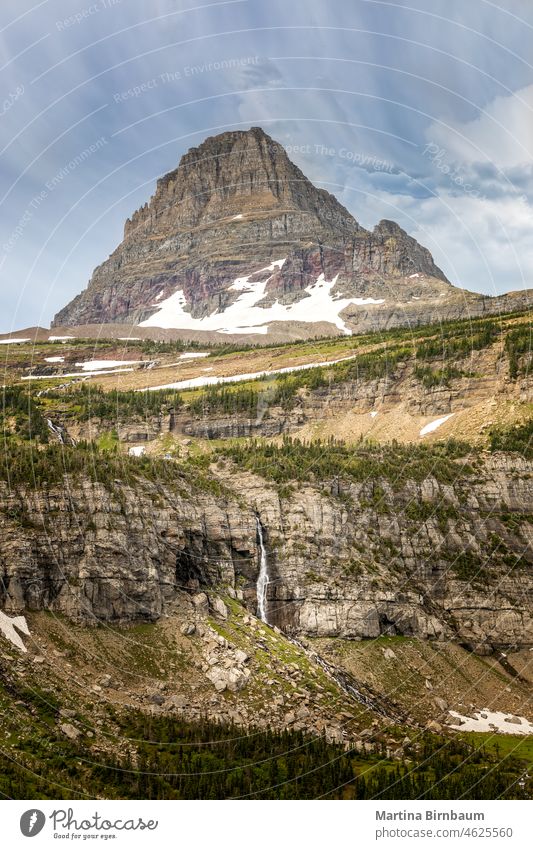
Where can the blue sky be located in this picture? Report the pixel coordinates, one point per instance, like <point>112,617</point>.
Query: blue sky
<point>420,111</point>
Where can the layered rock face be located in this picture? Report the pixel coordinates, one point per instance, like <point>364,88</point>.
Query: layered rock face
<point>430,559</point>
<point>434,560</point>
<point>237,203</point>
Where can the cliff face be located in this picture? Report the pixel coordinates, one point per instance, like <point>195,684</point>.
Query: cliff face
<point>434,560</point>
<point>234,173</point>
<point>235,204</point>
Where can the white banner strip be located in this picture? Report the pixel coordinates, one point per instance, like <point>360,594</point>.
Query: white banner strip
<point>267,825</point>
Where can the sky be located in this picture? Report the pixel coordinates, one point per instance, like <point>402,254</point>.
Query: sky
<point>419,111</point>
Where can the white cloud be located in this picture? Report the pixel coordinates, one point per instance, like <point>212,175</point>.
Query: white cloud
<point>483,245</point>
<point>502,133</point>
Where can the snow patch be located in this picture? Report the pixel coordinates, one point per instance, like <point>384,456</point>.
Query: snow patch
<point>192,356</point>
<point>413,275</point>
<point>54,359</point>
<point>60,338</point>
<point>13,341</point>
<point>432,426</point>
<point>240,284</point>
<point>278,263</point>
<point>99,372</point>
<point>361,302</point>
<point>487,720</point>
<point>196,382</point>
<point>130,338</point>
<point>100,365</point>
<point>246,316</point>
<point>8,626</point>
<point>77,374</point>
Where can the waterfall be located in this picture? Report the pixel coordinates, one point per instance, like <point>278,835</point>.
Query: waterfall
<point>342,678</point>
<point>263,580</point>
<point>60,433</point>
<point>57,431</point>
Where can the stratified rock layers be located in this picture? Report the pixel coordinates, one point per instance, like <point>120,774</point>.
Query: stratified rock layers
<point>428,559</point>
<point>235,204</point>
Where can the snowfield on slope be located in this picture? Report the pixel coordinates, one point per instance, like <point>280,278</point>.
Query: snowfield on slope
<point>487,720</point>
<point>196,382</point>
<point>432,426</point>
<point>101,373</point>
<point>100,365</point>
<point>14,341</point>
<point>246,316</point>
<point>8,626</point>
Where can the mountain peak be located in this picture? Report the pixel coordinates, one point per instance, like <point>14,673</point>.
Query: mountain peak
<point>388,227</point>
<point>237,172</point>
<point>237,207</point>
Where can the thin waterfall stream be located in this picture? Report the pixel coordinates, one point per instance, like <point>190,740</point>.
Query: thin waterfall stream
<point>263,579</point>
<point>56,430</point>
<point>343,679</point>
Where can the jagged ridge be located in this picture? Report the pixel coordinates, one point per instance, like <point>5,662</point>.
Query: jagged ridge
<point>235,204</point>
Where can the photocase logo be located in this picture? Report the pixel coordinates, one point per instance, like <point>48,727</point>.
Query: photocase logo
<point>32,822</point>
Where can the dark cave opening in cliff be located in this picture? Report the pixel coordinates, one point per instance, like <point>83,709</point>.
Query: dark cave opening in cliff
<point>189,574</point>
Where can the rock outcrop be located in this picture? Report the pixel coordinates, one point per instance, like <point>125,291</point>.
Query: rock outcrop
<point>237,203</point>
<point>429,559</point>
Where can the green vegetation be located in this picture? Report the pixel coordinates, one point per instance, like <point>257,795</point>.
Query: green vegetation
<point>20,415</point>
<point>448,344</point>
<point>167,758</point>
<point>441,512</point>
<point>295,460</point>
<point>480,331</point>
<point>154,347</point>
<point>501,745</point>
<point>454,342</point>
<point>457,340</point>
<point>284,390</point>
<point>41,466</point>
<point>438,377</point>
<point>223,399</point>
<point>519,348</point>
<point>140,755</point>
<point>469,567</point>
<point>518,438</point>
<point>88,401</point>
<point>108,441</point>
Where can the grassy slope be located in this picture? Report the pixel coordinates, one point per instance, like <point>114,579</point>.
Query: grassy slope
<point>126,748</point>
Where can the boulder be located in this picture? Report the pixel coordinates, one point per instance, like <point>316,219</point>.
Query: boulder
<point>69,731</point>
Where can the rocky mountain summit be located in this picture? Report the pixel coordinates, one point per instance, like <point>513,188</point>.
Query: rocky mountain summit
<point>237,239</point>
